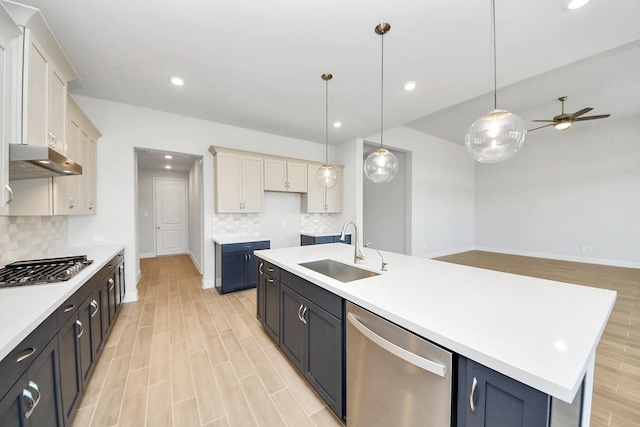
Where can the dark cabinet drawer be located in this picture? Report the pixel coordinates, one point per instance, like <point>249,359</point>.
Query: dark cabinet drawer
<point>321,297</point>
<point>245,246</point>
<point>270,269</point>
<point>16,362</point>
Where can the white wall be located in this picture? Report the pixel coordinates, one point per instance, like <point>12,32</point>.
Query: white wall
<point>442,191</point>
<point>125,127</point>
<point>385,207</point>
<point>563,191</point>
<point>196,214</point>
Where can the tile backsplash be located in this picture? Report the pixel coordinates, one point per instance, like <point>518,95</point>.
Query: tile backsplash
<point>29,237</point>
<point>240,223</point>
<point>318,223</point>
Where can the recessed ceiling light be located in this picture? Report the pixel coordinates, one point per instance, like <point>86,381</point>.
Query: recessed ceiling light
<point>337,124</point>
<point>168,156</point>
<point>408,86</point>
<point>577,4</point>
<point>167,167</point>
<point>178,81</point>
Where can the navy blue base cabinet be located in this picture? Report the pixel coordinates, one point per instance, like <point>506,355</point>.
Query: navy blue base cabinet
<point>487,398</point>
<point>307,239</point>
<point>236,266</point>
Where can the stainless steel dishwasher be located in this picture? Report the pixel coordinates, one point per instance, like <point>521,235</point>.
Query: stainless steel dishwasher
<point>394,377</point>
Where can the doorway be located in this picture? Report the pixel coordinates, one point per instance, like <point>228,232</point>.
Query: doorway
<point>386,207</point>
<point>170,206</point>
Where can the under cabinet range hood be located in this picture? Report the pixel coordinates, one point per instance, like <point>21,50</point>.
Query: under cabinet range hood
<point>38,161</point>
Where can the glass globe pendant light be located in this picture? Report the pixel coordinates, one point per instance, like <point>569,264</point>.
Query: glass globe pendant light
<point>499,134</point>
<point>326,176</point>
<point>381,165</point>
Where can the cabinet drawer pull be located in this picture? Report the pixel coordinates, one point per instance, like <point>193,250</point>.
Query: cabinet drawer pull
<point>270,270</point>
<point>69,308</point>
<point>79,323</point>
<point>269,280</point>
<point>26,354</point>
<point>472,396</point>
<point>112,283</point>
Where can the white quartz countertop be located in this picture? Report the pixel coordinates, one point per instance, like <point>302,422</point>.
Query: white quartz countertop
<point>227,239</point>
<point>539,332</point>
<point>23,308</point>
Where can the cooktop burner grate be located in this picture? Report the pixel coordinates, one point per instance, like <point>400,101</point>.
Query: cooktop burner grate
<point>33,272</point>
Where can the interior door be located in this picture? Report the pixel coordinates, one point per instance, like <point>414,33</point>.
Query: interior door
<point>171,216</point>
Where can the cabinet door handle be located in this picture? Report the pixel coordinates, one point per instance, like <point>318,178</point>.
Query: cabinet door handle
<point>112,283</point>
<point>248,257</point>
<point>472,395</point>
<point>94,305</point>
<point>26,354</point>
<point>54,139</point>
<point>260,268</point>
<point>300,312</point>
<point>10,193</point>
<point>79,323</point>
<point>27,394</point>
<point>69,308</point>
<point>304,313</point>
<point>269,280</point>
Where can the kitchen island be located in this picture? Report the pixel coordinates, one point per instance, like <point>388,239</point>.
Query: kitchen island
<point>538,332</point>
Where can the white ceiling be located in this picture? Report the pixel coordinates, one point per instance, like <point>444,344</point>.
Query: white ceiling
<point>257,64</point>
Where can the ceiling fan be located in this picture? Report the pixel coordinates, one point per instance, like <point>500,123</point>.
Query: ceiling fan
<point>564,121</point>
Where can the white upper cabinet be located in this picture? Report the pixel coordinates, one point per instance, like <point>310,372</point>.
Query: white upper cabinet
<point>318,199</point>
<point>282,174</point>
<point>239,185</point>
<point>75,195</point>
<point>9,33</point>
<point>45,73</point>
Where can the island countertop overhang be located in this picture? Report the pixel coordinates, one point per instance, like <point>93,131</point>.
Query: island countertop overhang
<point>539,332</point>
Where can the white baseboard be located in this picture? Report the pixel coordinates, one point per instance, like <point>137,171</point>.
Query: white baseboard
<point>444,253</point>
<point>560,257</point>
<point>207,284</point>
<point>195,262</point>
<point>130,296</point>
<point>147,255</point>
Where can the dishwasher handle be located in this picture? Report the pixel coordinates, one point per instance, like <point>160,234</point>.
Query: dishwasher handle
<point>414,359</point>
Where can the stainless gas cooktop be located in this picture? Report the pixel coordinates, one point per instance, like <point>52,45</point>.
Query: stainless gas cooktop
<point>49,270</point>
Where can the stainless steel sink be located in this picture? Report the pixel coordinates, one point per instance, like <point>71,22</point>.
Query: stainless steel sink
<point>337,270</point>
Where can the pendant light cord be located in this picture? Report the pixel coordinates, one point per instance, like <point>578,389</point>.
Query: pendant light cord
<point>495,54</point>
<point>381,89</point>
<point>326,121</point>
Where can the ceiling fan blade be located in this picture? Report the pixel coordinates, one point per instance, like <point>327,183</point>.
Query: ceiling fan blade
<point>545,126</point>
<point>581,112</point>
<point>542,121</point>
<point>601,116</point>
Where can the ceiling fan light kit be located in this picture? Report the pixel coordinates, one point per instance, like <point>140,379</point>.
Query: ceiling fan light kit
<point>564,121</point>
<point>499,134</point>
<point>381,165</point>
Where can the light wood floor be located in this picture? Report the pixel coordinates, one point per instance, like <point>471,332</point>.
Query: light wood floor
<point>183,356</point>
<point>616,400</point>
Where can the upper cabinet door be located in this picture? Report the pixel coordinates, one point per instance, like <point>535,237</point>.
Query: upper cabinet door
<point>35,92</point>
<point>252,184</point>
<point>333,196</point>
<point>56,113</point>
<point>9,33</point>
<point>297,177</point>
<point>228,184</point>
<point>275,174</point>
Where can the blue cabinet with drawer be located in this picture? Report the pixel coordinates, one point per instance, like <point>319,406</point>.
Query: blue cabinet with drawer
<point>236,267</point>
<point>310,239</point>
